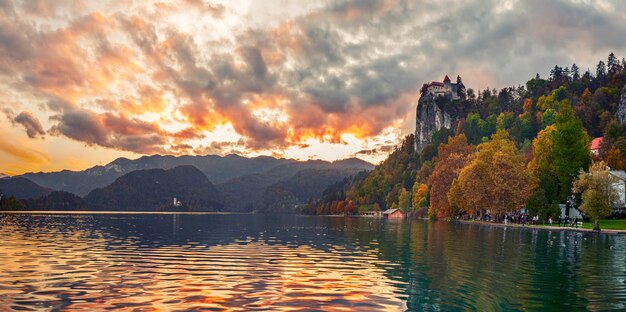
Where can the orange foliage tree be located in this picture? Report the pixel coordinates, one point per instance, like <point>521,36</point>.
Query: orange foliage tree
<point>452,157</point>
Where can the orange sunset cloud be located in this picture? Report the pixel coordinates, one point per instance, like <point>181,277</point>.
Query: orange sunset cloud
<point>325,79</point>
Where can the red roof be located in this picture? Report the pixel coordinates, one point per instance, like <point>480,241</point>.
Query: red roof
<point>446,79</point>
<point>595,144</point>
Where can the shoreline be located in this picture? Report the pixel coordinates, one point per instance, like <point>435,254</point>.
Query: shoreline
<point>545,227</point>
<point>114,212</point>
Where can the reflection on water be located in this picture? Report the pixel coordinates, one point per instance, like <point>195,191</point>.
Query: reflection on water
<point>254,262</point>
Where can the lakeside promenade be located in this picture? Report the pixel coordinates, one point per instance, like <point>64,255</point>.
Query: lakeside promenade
<point>544,227</point>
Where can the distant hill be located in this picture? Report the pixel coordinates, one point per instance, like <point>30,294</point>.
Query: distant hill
<point>289,195</point>
<point>57,200</point>
<point>155,189</point>
<point>244,193</point>
<point>22,188</point>
<point>217,169</point>
<point>243,184</point>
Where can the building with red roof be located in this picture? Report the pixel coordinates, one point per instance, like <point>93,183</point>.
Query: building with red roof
<point>445,88</point>
<point>595,146</point>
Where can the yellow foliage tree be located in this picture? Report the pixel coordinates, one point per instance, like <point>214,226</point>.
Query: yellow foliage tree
<point>542,162</point>
<point>496,179</point>
<point>404,200</point>
<point>419,193</point>
<point>598,192</point>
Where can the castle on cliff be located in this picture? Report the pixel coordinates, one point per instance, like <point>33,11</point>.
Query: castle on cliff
<point>429,116</point>
<point>444,89</point>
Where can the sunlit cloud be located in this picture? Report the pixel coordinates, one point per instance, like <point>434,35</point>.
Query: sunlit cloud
<point>324,79</point>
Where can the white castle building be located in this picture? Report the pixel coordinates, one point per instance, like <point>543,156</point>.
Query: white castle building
<point>445,88</point>
<point>430,117</point>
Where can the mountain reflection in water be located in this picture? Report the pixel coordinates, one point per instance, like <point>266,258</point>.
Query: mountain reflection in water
<point>282,262</point>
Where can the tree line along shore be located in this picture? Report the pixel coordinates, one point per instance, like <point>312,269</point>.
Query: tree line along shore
<point>522,148</point>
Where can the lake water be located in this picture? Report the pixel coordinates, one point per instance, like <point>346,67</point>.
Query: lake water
<point>275,262</point>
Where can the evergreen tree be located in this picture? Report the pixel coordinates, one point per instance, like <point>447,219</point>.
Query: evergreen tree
<point>601,71</point>
<point>575,72</point>
<point>556,73</point>
<point>613,65</point>
<point>570,148</point>
<point>404,200</point>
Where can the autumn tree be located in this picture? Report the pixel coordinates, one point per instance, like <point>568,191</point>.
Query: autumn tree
<point>496,179</point>
<point>543,162</point>
<point>376,207</point>
<point>452,158</point>
<point>613,147</point>
<point>584,109</point>
<point>598,194</point>
<point>419,194</point>
<point>455,199</point>
<point>615,159</point>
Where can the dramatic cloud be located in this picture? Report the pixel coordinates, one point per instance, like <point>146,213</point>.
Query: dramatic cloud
<point>30,123</point>
<point>194,76</point>
<point>109,130</point>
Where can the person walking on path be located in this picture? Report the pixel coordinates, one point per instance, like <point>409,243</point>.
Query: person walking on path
<point>550,220</point>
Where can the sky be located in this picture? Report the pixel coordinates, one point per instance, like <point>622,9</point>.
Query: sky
<point>85,82</point>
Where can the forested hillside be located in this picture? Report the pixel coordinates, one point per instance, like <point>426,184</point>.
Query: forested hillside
<point>521,146</point>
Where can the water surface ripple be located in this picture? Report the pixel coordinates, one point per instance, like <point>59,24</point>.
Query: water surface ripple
<point>175,262</point>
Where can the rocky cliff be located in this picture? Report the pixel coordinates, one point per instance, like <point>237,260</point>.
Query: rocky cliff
<point>428,119</point>
<point>621,109</point>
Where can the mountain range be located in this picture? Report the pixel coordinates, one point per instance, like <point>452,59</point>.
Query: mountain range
<point>210,183</point>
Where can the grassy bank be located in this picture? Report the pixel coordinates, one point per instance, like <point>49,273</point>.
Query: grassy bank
<point>608,225</point>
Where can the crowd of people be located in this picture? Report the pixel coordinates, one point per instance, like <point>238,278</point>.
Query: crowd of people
<point>522,218</point>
